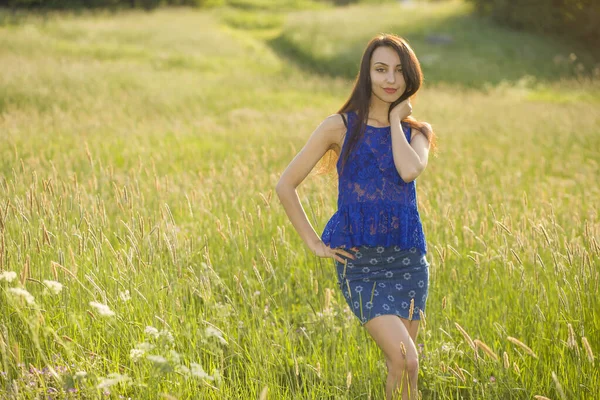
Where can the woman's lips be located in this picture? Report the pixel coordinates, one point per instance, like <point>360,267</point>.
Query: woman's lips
<point>390,91</point>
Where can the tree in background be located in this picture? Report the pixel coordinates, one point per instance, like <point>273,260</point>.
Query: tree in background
<point>579,19</point>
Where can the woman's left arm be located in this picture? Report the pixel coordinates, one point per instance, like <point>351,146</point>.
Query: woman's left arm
<point>410,159</point>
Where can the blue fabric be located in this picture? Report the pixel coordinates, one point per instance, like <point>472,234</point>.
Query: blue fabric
<point>375,206</point>
<point>382,281</point>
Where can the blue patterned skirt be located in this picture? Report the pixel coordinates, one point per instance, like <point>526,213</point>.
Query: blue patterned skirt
<point>384,280</point>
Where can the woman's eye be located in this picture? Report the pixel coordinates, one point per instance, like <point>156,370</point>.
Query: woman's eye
<point>379,70</point>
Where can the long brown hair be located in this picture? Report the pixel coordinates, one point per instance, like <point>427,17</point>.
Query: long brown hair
<point>360,98</point>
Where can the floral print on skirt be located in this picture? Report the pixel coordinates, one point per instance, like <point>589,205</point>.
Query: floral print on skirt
<point>384,280</point>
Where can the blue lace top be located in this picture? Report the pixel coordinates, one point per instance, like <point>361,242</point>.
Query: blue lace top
<point>375,206</point>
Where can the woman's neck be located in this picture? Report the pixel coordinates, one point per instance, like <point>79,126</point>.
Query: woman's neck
<point>379,110</point>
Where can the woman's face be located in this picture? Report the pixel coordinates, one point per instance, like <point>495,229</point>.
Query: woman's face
<point>386,73</point>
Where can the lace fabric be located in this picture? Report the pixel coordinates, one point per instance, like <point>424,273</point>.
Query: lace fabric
<point>375,206</point>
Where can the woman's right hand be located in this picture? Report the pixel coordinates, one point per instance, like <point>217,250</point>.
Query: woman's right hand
<point>320,249</point>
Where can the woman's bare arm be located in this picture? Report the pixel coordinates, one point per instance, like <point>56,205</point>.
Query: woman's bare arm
<point>410,159</point>
<point>325,136</point>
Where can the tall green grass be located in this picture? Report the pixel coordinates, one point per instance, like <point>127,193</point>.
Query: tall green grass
<point>138,160</point>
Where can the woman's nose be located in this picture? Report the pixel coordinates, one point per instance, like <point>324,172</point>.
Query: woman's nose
<point>391,78</point>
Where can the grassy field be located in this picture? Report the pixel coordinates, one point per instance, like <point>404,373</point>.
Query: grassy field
<point>139,154</point>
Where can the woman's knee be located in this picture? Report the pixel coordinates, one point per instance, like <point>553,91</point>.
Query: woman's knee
<point>403,364</point>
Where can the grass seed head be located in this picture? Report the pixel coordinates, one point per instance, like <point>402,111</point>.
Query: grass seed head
<point>588,349</point>
<point>571,341</point>
<point>486,349</point>
<point>522,345</point>
<point>423,322</point>
<point>465,335</point>
<point>559,387</point>
<point>348,380</point>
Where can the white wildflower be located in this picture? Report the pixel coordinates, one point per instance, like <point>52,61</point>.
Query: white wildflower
<point>174,357</point>
<point>8,276</point>
<point>167,335</point>
<point>216,375</point>
<point>80,375</point>
<point>125,296</point>
<point>53,287</point>
<point>102,309</point>
<point>210,331</point>
<point>199,372</point>
<point>447,347</point>
<point>112,379</point>
<point>223,310</point>
<point>145,346</point>
<point>136,354</point>
<point>152,331</point>
<point>24,294</point>
<point>156,359</point>
<point>183,370</point>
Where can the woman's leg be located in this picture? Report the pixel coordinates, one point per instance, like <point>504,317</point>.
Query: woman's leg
<point>395,336</point>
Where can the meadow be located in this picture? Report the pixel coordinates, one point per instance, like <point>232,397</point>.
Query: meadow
<point>144,253</point>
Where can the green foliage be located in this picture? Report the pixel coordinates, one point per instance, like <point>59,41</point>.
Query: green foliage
<point>579,19</point>
<point>109,4</point>
<point>473,53</point>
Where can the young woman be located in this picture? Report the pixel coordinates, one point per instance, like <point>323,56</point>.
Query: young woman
<point>375,237</point>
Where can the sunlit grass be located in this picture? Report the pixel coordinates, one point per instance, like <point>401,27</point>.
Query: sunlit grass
<point>140,152</point>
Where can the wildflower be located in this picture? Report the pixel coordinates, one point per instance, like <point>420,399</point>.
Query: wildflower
<point>102,309</point>
<point>167,335</point>
<point>447,347</point>
<point>152,331</point>
<point>216,375</point>
<point>53,287</point>
<point>145,346</point>
<point>136,354</point>
<point>199,372</point>
<point>174,357</point>
<point>8,276</point>
<point>210,331</point>
<point>24,294</point>
<point>183,370</point>
<point>112,379</point>
<point>125,296</point>
<point>80,375</point>
<point>156,359</point>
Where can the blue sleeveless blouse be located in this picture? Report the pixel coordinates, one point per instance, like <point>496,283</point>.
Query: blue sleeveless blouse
<point>375,206</point>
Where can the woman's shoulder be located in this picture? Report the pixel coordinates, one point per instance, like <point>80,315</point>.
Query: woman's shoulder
<point>332,129</point>
<point>415,128</point>
<point>335,122</point>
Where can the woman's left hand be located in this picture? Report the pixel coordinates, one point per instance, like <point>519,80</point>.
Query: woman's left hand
<point>401,110</point>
